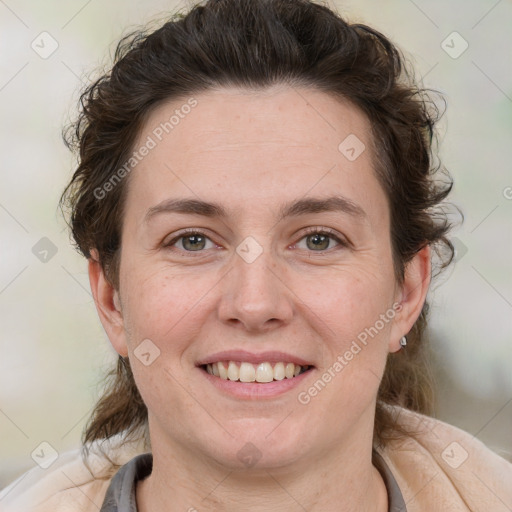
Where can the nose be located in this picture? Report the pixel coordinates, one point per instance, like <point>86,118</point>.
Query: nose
<point>255,294</point>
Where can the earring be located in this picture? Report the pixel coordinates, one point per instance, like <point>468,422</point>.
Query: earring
<point>403,341</point>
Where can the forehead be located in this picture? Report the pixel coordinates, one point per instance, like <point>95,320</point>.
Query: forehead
<point>276,115</point>
<point>236,145</point>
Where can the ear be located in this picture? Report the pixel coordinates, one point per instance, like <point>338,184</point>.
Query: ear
<point>108,305</point>
<point>411,295</point>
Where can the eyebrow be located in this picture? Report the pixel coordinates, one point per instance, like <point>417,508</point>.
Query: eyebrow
<point>297,208</point>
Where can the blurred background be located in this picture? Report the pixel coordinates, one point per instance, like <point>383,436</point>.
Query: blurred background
<point>53,348</point>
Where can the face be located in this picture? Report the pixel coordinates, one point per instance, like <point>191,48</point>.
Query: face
<point>292,264</point>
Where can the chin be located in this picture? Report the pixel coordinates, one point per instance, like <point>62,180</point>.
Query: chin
<point>256,444</point>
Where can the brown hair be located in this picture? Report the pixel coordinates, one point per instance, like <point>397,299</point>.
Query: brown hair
<point>256,44</point>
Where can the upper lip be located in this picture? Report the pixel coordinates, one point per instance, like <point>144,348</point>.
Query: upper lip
<point>254,358</point>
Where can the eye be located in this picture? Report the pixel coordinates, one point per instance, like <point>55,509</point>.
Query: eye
<point>191,240</point>
<point>319,239</point>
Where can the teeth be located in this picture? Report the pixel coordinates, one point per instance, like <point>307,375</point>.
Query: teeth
<point>233,371</point>
<point>279,371</point>
<point>265,373</point>
<point>223,373</point>
<point>247,372</point>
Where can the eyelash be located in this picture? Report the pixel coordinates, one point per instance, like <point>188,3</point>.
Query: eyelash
<point>309,231</point>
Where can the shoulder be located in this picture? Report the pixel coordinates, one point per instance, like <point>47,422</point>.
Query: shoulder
<point>441,467</point>
<point>76,481</point>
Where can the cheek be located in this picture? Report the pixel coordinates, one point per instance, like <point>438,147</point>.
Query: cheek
<point>164,391</point>
<point>164,307</point>
<point>163,319</point>
<point>355,343</point>
<point>351,302</point>
<point>357,313</point>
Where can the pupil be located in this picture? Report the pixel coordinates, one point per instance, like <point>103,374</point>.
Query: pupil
<point>319,239</point>
<point>197,240</point>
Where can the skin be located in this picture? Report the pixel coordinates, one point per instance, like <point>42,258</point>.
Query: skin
<point>251,152</point>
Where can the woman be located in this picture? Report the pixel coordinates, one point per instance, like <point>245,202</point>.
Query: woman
<point>257,201</point>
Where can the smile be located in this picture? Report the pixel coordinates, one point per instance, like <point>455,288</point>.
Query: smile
<point>247,372</point>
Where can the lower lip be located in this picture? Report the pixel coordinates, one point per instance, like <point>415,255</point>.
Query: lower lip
<point>256,390</point>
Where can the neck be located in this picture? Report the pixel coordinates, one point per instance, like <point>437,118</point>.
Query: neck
<point>345,477</point>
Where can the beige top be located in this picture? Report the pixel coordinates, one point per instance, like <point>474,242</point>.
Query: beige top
<point>442,469</point>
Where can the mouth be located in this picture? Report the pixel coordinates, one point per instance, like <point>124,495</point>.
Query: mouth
<point>245,375</point>
<point>264,372</point>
